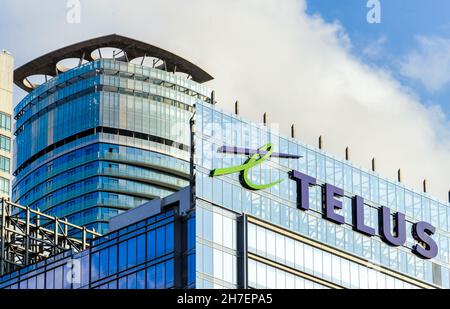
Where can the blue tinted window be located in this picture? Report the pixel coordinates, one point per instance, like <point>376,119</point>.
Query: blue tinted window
<point>191,233</point>
<point>49,283</point>
<point>151,244</point>
<point>191,269</point>
<point>59,278</point>
<point>122,256</point>
<point>141,249</point>
<point>112,285</point>
<point>131,282</point>
<point>169,274</point>
<point>95,266</point>
<point>32,283</point>
<point>170,238</point>
<point>85,270</point>
<point>123,283</point>
<point>160,274</point>
<point>41,282</point>
<point>141,280</point>
<point>113,259</point>
<point>151,280</point>
<point>160,241</point>
<point>104,263</point>
<point>131,252</point>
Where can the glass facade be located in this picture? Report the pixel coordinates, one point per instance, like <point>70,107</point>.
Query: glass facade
<point>217,248</point>
<point>310,260</point>
<point>263,276</point>
<point>102,138</point>
<point>361,255</point>
<point>144,255</point>
<point>109,136</point>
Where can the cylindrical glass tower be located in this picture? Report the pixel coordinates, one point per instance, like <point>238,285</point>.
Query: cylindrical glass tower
<point>106,135</point>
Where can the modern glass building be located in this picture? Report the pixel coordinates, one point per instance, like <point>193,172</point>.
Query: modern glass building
<point>293,239</point>
<point>264,211</point>
<point>6,102</point>
<point>106,135</point>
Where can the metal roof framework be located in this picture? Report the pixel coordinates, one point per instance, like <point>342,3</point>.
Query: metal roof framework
<point>29,236</point>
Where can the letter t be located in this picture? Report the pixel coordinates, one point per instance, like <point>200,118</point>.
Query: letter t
<point>303,184</point>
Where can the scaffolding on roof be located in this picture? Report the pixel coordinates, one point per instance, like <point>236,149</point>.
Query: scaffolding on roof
<point>28,236</point>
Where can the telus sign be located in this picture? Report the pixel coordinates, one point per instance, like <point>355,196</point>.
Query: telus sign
<point>392,230</point>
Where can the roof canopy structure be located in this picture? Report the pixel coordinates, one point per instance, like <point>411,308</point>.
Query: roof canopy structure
<point>132,49</point>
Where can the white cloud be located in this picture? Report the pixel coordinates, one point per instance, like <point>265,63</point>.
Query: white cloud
<point>375,48</point>
<point>429,63</point>
<point>274,58</point>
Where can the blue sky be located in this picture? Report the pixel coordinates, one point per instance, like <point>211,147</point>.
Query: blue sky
<point>319,83</point>
<point>404,25</point>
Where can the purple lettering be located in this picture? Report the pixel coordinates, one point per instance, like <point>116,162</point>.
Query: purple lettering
<point>332,204</point>
<point>303,184</point>
<point>358,217</point>
<point>426,248</point>
<point>398,237</point>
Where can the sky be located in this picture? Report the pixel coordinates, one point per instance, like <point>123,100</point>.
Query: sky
<point>382,89</point>
<point>412,41</point>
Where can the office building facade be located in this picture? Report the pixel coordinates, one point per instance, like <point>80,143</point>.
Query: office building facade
<point>295,230</point>
<point>6,99</point>
<point>264,211</point>
<point>141,252</point>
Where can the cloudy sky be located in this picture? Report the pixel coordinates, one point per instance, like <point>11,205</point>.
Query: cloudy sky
<point>381,89</point>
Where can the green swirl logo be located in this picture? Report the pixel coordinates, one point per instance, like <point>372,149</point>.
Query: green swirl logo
<point>245,168</point>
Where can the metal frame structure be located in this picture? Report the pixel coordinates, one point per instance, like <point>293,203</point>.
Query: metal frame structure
<point>29,236</point>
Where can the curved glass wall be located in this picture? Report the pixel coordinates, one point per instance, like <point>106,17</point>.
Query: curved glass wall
<point>103,138</point>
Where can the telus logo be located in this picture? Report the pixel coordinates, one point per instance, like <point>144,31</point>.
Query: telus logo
<point>257,157</point>
<point>392,229</point>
